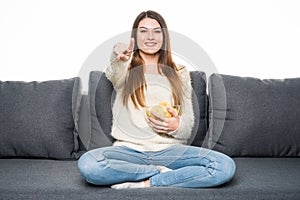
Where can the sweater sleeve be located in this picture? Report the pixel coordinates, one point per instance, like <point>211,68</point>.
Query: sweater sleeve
<point>116,71</point>
<point>184,131</point>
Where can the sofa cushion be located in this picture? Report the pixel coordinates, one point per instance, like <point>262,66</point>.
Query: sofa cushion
<point>255,179</point>
<point>200,103</point>
<point>254,117</point>
<point>101,98</point>
<point>39,119</point>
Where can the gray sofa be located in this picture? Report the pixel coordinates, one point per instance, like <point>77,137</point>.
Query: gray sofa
<point>46,126</point>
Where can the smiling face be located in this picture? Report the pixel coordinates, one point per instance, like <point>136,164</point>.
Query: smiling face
<point>149,36</point>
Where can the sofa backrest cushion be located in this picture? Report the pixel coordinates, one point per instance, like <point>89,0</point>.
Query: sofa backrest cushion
<point>39,119</point>
<point>101,98</point>
<point>200,104</point>
<point>254,117</point>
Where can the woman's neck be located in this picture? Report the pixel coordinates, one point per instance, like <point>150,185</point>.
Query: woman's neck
<point>150,61</point>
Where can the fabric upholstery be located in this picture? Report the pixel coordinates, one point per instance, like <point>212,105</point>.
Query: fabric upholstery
<point>200,103</point>
<point>255,179</point>
<point>39,119</point>
<point>100,100</point>
<point>254,117</point>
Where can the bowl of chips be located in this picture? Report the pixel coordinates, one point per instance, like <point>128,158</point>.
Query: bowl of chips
<point>161,109</point>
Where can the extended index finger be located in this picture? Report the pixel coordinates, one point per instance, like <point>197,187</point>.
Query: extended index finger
<point>131,44</point>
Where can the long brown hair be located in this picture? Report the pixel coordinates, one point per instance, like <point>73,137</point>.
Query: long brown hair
<point>135,82</point>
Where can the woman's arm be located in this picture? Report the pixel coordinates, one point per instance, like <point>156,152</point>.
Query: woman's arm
<point>179,127</point>
<point>116,71</point>
<point>184,130</point>
<point>119,62</point>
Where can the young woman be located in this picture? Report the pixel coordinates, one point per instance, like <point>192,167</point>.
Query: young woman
<point>151,149</point>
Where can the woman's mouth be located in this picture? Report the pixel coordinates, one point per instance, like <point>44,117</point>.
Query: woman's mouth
<point>150,44</point>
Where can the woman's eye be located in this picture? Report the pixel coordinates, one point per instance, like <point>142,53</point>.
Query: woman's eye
<point>143,31</point>
<point>158,31</point>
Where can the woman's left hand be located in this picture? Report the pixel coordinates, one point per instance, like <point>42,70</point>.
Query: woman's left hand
<point>163,124</point>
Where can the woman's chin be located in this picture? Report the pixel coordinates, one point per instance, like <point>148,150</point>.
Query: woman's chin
<point>149,51</point>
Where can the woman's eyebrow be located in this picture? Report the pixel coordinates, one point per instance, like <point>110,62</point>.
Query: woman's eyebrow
<point>150,28</point>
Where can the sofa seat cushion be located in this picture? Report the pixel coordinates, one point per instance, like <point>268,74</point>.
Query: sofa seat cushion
<point>256,178</point>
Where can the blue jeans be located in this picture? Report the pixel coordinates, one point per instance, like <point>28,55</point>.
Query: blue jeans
<point>193,167</point>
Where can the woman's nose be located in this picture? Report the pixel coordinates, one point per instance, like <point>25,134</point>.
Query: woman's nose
<point>150,34</point>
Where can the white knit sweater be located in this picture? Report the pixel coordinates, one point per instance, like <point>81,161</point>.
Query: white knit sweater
<point>129,125</point>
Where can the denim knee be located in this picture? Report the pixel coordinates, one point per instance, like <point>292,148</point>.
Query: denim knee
<point>232,169</point>
<point>83,164</point>
<point>227,170</point>
<point>89,168</point>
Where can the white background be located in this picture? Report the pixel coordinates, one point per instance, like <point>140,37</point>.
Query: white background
<point>44,40</point>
